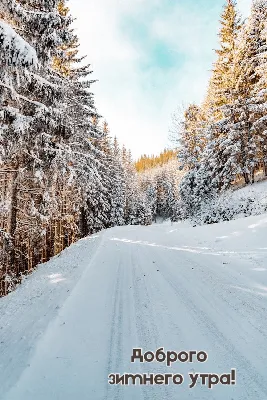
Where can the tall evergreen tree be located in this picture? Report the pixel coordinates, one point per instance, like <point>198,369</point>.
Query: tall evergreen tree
<point>192,140</point>
<point>254,70</point>
<point>118,179</point>
<point>222,81</point>
<point>244,121</point>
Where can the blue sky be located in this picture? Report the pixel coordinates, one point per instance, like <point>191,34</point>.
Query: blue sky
<point>151,57</point>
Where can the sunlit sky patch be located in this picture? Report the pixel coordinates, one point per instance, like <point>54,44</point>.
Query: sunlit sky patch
<point>150,57</point>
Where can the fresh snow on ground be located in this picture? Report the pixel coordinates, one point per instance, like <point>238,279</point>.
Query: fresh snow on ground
<point>78,317</point>
<point>256,191</point>
<point>233,204</point>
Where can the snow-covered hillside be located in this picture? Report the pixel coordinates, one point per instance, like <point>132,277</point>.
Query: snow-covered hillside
<point>257,191</point>
<point>241,202</point>
<point>76,320</point>
<point>250,200</point>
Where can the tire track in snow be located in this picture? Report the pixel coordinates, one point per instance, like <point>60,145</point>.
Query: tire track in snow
<point>219,340</point>
<point>116,336</point>
<point>151,271</point>
<point>147,326</point>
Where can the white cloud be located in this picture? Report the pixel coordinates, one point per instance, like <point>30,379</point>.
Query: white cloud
<point>140,117</point>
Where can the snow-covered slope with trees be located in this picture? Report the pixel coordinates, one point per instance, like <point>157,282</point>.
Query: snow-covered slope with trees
<point>228,205</point>
<point>62,176</point>
<point>78,317</point>
<point>223,141</point>
<point>71,194</point>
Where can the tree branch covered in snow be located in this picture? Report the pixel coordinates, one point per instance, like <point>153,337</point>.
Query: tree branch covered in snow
<point>15,51</point>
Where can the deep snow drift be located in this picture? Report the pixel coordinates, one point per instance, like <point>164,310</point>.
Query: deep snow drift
<point>78,317</point>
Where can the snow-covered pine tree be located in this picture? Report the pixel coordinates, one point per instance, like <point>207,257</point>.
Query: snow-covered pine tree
<point>97,209</point>
<point>88,159</point>
<point>118,180</point>
<point>130,209</point>
<point>198,193</point>
<point>231,144</point>
<point>254,47</point>
<point>46,127</point>
<point>192,140</point>
<point>222,80</point>
<point>245,112</point>
<point>30,33</point>
<point>30,98</point>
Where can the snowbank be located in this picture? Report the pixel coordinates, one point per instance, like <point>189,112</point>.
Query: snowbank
<point>247,201</point>
<point>26,312</point>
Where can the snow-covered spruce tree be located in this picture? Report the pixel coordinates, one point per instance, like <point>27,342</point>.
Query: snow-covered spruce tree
<point>118,194</point>
<point>46,130</point>
<point>89,162</point>
<point>191,140</point>
<point>221,92</point>
<point>254,70</point>
<point>222,81</point>
<point>230,143</point>
<point>95,214</point>
<point>131,192</point>
<point>30,99</point>
<point>244,114</point>
<point>30,34</point>
<point>226,154</point>
<point>198,193</point>
<point>18,58</point>
<point>33,128</point>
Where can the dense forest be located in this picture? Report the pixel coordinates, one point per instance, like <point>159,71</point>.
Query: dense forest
<point>64,176</point>
<point>224,140</point>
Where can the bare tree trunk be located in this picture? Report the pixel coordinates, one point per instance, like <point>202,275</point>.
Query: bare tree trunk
<point>246,177</point>
<point>12,220</point>
<point>253,175</point>
<point>82,223</point>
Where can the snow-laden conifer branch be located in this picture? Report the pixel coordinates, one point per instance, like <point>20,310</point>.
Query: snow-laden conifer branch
<point>15,51</point>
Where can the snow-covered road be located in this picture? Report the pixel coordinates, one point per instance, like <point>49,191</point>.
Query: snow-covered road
<point>76,320</point>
